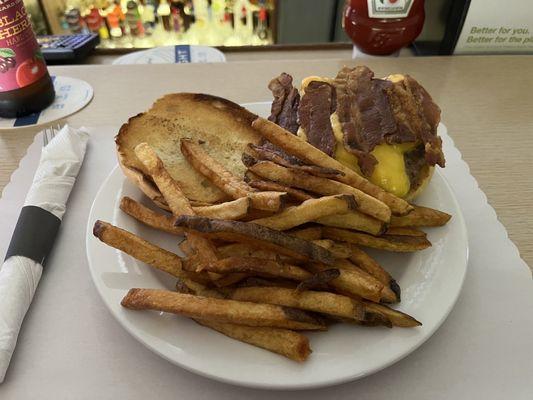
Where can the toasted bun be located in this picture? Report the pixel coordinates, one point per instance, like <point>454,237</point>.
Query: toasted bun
<point>225,127</point>
<point>425,176</point>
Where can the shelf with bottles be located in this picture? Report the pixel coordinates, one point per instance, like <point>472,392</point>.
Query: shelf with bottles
<point>149,23</point>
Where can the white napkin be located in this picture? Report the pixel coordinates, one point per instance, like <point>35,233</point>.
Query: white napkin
<point>60,163</point>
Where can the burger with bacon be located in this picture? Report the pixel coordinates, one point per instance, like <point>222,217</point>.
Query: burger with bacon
<point>385,129</point>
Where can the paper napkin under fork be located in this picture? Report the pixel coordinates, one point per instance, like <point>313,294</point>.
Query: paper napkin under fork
<point>35,232</point>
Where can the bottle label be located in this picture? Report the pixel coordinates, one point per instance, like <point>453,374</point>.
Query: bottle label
<point>389,8</point>
<point>21,61</point>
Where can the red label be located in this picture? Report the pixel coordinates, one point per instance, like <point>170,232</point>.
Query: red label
<point>21,61</point>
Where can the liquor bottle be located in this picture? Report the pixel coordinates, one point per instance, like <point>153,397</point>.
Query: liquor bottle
<point>133,19</point>
<point>262,30</point>
<point>164,12</point>
<point>381,27</point>
<point>25,85</point>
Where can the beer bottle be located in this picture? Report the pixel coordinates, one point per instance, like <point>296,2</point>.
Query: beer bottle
<point>25,85</point>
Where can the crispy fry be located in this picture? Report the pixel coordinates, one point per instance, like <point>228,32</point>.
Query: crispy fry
<point>292,193</point>
<point>290,344</point>
<point>257,266</point>
<point>402,231</point>
<point>371,266</point>
<point>258,235</point>
<point>298,147</point>
<point>231,210</point>
<point>256,153</point>
<point>227,311</point>
<point>163,222</point>
<point>269,201</point>
<point>302,180</point>
<point>421,216</point>
<point>244,250</point>
<point>394,243</point>
<point>269,282</point>
<point>138,248</point>
<point>388,295</point>
<point>308,211</point>
<point>149,217</point>
<point>176,200</point>
<point>338,250</point>
<point>225,180</point>
<point>353,282</point>
<point>318,280</point>
<point>169,188</point>
<point>308,233</point>
<point>354,220</point>
<point>322,302</point>
<point>397,318</point>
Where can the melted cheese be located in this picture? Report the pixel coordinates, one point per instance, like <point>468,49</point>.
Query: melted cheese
<point>389,172</point>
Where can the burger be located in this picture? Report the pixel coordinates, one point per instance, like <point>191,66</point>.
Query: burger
<point>384,129</point>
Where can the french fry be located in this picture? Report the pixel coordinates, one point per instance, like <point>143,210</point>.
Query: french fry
<point>244,250</point>
<point>395,243</point>
<point>397,318</point>
<point>257,266</point>
<point>258,281</point>
<point>421,216</point>
<point>269,201</point>
<point>308,233</point>
<point>302,180</point>
<point>176,200</point>
<point>336,249</point>
<point>149,217</point>
<point>290,344</point>
<point>231,210</point>
<point>256,153</point>
<point>387,294</point>
<point>321,302</point>
<point>308,211</point>
<point>227,311</point>
<point>138,248</point>
<point>230,184</point>
<point>354,220</point>
<point>319,280</point>
<point>371,266</point>
<point>292,193</point>
<point>403,231</point>
<point>298,147</point>
<point>259,236</point>
<point>353,282</point>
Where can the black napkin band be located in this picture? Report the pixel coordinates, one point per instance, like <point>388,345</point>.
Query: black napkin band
<point>34,234</point>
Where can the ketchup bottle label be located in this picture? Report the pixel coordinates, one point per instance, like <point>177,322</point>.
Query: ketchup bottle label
<point>389,8</point>
<point>21,61</point>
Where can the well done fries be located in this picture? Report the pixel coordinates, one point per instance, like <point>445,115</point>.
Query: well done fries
<point>302,180</point>
<point>298,147</point>
<point>285,254</point>
<point>230,311</point>
<point>226,181</point>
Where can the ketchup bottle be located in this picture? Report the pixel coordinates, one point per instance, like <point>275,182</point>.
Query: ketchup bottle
<point>25,86</point>
<point>381,27</point>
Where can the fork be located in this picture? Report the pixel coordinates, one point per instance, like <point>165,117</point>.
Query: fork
<point>49,133</point>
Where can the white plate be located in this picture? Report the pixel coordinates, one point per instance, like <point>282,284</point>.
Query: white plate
<point>430,280</point>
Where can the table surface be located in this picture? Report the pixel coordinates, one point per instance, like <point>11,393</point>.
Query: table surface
<point>486,103</point>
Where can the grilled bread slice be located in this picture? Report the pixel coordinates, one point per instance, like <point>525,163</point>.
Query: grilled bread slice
<point>224,129</point>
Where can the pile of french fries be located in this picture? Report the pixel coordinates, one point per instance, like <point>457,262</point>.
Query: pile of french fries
<point>284,255</point>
